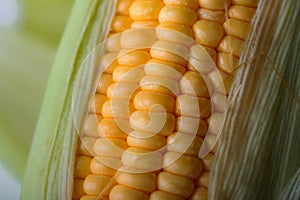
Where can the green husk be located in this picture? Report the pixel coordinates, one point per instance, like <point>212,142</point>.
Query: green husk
<point>49,169</point>
<point>260,144</point>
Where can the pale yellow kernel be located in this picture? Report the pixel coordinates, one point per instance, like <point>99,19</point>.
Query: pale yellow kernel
<point>209,143</point>
<point>86,146</point>
<point>98,185</point>
<point>243,13</point>
<point>193,126</point>
<point>216,123</point>
<point>145,10</point>
<point>77,188</point>
<point>208,33</point>
<point>214,81</point>
<point>169,51</point>
<point>121,23</point>
<point>175,33</point>
<point>107,166</point>
<point>133,58</point>
<point>82,166</point>
<point>138,38</point>
<point>153,122</point>
<point>117,109</point>
<point>144,24</point>
<point>145,182</point>
<point>214,4</point>
<point>203,180</point>
<point>177,15</point>
<point>227,62</point>
<point>108,62</point>
<point>191,106</point>
<point>113,43</point>
<point>121,192</point>
<point>212,15</point>
<point>123,7</point>
<point>193,4</point>
<point>212,52</point>
<point>114,128</point>
<point>236,28</point>
<point>165,69</point>
<point>231,45</point>
<point>200,194</point>
<point>96,103</point>
<point>184,165</point>
<point>159,195</point>
<point>128,74</point>
<point>160,84</point>
<point>91,197</point>
<point>184,143</point>
<point>110,147</point>
<point>207,161</point>
<point>227,80</point>
<point>174,184</point>
<point>122,90</point>
<point>105,81</point>
<point>142,159</point>
<point>146,140</point>
<point>250,3</point>
<point>193,84</point>
<point>218,101</point>
<point>90,125</point>
<point>146,100</point>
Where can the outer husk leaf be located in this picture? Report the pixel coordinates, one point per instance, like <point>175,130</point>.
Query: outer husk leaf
<point>49,170</point>
<point>292,191</point>
<point>260,144</point>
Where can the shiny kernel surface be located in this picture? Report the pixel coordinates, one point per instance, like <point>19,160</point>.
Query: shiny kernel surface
<point>104,82</point>
<point>116,108</point>
<point>138,39</point>
<point>110,147</point>
<point>250,3</point>
<point>231,45</point>
<point>214,4</point>
<point>128,74</point>
<point>177,15</point>
<point>145,10</point>
<point>146,140</point>
<point>212,15</point>
<point>82,168</point>
<point>121,192</point>
<point>184,143</point>
<point>159,195</point>
<point>97,184</point>
<point>200,194</point>
<point>113,128</point>
<point>123,7</point>
<point>193,84</point>
<point>121,23</point>
<point>133,58</point>
<point>193,4</point>
<point>192,106</point>
<point>122,90</point>
<point>107,166</point>
<point>242,13</point>
<point>227,62</point>
<point>236,28</point>
<point>191,126</point>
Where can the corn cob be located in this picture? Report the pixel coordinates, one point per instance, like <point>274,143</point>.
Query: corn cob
<point>123,148</point>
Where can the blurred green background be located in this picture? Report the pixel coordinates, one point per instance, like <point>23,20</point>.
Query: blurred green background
<point>30,32</point>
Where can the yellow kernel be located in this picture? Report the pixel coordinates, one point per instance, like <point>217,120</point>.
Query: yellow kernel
<point>91,197</point>
<point>212,15</point>
<point>216,122</point>
<point>108,62</point>
<point>77,188</point>
<point>193,4</point>
<point>138,38</point>
<point>116,108</point>
<point>82,168</point>
<point>162,123</point>
<point>200,194</point>
<point>97,185</point>
<point>208,33</point>
<point>96,103</point>
<point>227,80</point>
<point>207,161</point>
<point>146,140</point>
<point>145,182</point>
<point>105,81</point>
<point>86,146</point>
<point>114,128</point>
<point>243,13</point>
<point>214,81</point>
<point>110,147</point>
<point>133,58</point>
<point>177,15</point>
<point>165,69</point>
<point>175,33</point>
<point>236,28</point>
<point>144,24</point>
<point>122,90</point>
<point>107,166</point>
<point>214,4</point>
<point>174,184</point>
<point>200,60</point>
<point>203,180</point>
<point>227,62</point>
<point>192,106</point>
<point>145,10</point>
<point>142,159</point>
<point>113,43</point>
<point>209,144</point>
<point>159,195</point>
<point>121,192</point>
<point>146,100</point>
<point>231,45</point>
<point>169,51</point>
<point>128,74</point>
<point>123,7</point>
<point>250,3</point>
<point>90,125</point>
<point>121,23</point>
<point>160,84</point>
<point>218,101</point>
<point>184,143</point>
<point>193,126</point>
<point>184,165</point>
<point>193,84</point>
